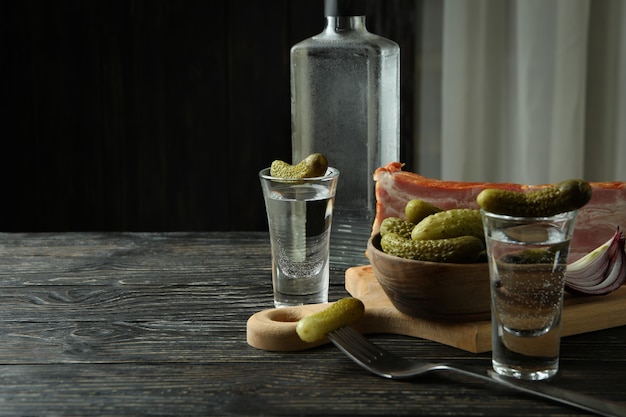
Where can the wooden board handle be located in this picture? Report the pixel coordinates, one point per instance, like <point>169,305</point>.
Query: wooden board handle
<point>275,329</point>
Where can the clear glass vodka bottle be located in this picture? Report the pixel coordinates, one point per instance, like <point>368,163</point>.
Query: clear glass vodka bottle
<point>345,103</point>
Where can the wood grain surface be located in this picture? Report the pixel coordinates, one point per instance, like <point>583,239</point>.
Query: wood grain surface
<point>128,324</point>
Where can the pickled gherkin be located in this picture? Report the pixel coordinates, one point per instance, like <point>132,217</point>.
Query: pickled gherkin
<point>314,165</point>
<point>448,224</point>
<point>396,225</point>
<point>341,313</point>
<point>565,196</point>
<point>417,210</point>
<point>463,249</point>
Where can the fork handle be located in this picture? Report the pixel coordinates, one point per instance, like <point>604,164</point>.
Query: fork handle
<point>551,392</point>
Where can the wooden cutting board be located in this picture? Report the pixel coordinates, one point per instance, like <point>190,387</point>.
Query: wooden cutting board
<point>275,329</point>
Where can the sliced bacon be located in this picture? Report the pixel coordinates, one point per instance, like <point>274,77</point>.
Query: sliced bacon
<point>596,221</point>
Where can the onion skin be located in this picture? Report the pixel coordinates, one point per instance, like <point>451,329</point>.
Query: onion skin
<point>601,271</point>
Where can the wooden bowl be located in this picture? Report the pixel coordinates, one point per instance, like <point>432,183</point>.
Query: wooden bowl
<point>432,290</point>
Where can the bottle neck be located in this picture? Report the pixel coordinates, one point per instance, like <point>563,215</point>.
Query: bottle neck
<point>335,24</point>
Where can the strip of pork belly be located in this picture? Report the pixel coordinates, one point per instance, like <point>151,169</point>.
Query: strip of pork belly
<point>595,224</point>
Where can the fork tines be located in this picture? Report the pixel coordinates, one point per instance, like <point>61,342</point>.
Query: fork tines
<point>355,345</point>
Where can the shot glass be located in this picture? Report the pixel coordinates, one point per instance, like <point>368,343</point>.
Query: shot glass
<point>527,261</point>
<point>299,215</point>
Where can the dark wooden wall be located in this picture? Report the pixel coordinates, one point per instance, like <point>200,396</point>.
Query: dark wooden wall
<point>155,115</point>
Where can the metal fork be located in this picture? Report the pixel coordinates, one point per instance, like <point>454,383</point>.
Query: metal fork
<point>384,363</point>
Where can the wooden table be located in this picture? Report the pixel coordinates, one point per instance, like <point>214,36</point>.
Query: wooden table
<point>155,324</point>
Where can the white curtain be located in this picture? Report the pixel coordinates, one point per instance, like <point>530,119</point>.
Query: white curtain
<point>527,91</point>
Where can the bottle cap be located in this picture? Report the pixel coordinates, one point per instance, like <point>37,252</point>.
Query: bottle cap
<point>344,7</point>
